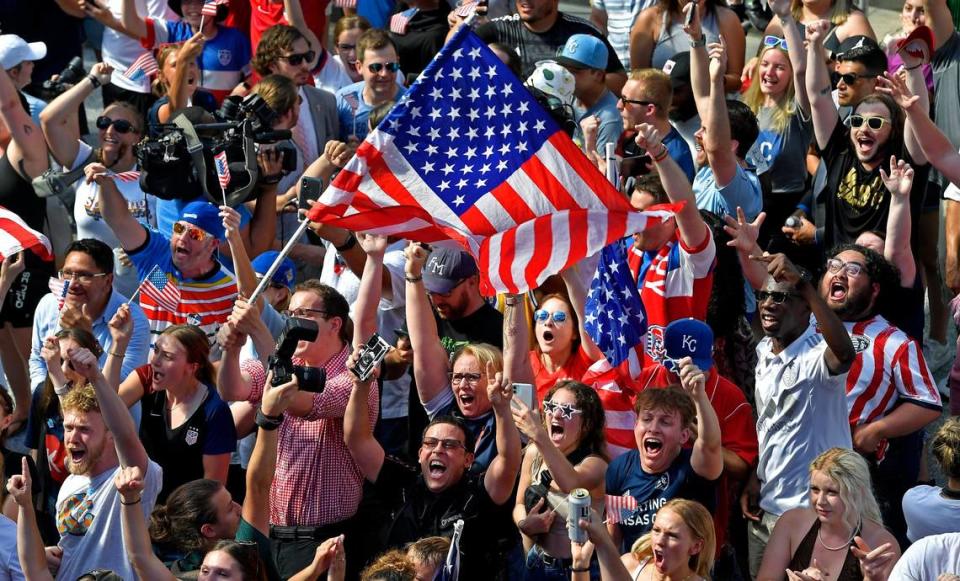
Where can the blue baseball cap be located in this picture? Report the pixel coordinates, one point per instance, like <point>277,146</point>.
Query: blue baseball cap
<point>285,274</point>
<point>205,216</point>
<point>446,267</point>
<point>688,338</point>
<point>584,51</point>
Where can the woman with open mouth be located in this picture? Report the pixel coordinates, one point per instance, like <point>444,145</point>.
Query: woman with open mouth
<point>177,85</point>
<point>840,536</point>
<point>567,451</point>
<point>680,545</point>
<point>186,428</point>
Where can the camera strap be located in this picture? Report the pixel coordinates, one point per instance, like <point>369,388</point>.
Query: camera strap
<point>195,149</point>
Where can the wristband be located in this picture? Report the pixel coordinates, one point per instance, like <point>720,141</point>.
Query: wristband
<point>266,422</point>
<point>662,155</point>
<point>94,81</point>
<point>413,279</point>
<point>579,570</point>
<point>63,390</point>
<point>137,501</point>
<point>349,243</point>
<point>914,67</point>
<point>115,354</point>
<point>698,43</point>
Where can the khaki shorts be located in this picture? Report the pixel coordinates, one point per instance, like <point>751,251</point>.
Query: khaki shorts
<point>758,535</point>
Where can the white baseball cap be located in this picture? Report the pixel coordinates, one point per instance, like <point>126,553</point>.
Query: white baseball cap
<point>14,50</point>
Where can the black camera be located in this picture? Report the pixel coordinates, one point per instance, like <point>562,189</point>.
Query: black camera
<point>312,379</point>
<point>179,162</point>
<point>72,74</point>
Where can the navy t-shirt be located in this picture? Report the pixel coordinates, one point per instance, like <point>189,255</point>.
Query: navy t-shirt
<point>625,476</point>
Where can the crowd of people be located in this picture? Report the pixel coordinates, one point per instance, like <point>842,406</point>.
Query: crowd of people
<point>789,384</point>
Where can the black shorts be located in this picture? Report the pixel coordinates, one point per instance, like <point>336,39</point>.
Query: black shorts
<point>931,198</point>
<point>25,293</point>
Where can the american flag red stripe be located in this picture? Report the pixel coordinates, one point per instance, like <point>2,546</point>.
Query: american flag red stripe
<point>210,8</point>
<point>346,3</point>
<point>127,176</point>
<point>619,507</point>
<point>145,63</point>
<point>223,169</point>
<point>16,236</point>
<point>59,288</point>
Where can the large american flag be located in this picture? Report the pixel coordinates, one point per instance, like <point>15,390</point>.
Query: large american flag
<point>468,155</point>
<point>16,236</point>
<point>157,286</point>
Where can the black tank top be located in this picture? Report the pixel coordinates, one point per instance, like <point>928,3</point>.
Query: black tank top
<point>804,553</point>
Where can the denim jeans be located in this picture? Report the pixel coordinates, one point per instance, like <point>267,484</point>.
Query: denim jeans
<point>542,567</point>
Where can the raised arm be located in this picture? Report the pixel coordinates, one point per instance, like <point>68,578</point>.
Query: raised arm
<point>243,269</point>
<point>743,237</point>
<point>121,329</point>
<point>368,296</point>
<point>11,268</point>
<point>232,383</point>
<point>293,12</point>
<point>357,431</point>
<point>699,62</point>
<point>178,93</point>
<point>98,12</point>
<point>912,69</point>
<point>516,341</point>
<point>26,140</point>
<point>134,25</point>
<point>940,20</point>
<point>263,461</point>
<point>822,110</point>
<point>707,457</point>
<point>136,538</point>
<point>430,365</point>
<point>795,50</point>
<point>716,135</point>
<point>731,32</point>
<point>60,121</point>
<point>896,248</point>
<point>130,450</point>
<point>502,472</point>
<point>115,210</point>
<point>578,300</point>
<point>692,228</point>
<point>30,551</point>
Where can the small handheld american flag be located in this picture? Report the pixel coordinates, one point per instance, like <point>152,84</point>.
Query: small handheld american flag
<point>223,169</point>
<point>157,286</point>
<point>210,8</point>
<point>59,288</point>
<point>401,20</point>
<point>619,508</point>
<point>146,64</point>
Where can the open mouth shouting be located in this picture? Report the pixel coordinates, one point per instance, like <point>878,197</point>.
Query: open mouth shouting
<point>865,145</point>
<point>652,447</point>
<point>436,468</point>
<point>658,559</point>
<point>557,430</point>
<point>838,290</point>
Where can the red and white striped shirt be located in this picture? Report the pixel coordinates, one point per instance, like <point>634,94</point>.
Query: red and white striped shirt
<point>889,368</point>
<point>316,481</point>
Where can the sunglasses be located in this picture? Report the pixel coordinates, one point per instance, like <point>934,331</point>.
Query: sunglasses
<point>847,78</point>
<point>771,40</point>
<point>564,410</point>
<point>850,268</point>
<point>777,297</point>
<point>301,57</point>
<point>541,316</point>
<point>121,126</point>
<point>191,232</point>
<point>377,67</point>
<point>626,102</point>
<point>874,123</point>
<point>445,443</point>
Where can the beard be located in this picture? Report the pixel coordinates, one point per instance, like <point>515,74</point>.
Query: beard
<point>84,466</point>
<point>853,307</point>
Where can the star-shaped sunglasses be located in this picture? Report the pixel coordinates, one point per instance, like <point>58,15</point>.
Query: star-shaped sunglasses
<point>564,410</point>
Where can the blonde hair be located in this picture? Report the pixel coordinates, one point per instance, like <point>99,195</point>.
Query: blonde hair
<point>81,399</point>
<point>698,520</point>
<point>786,105</point>
<point>430,551</point>
<point>852,475</point>
<point>839,11</point>
<point>279,92</point>
<point>390,566</point>
<point>165,51</point>
<point>484,352</point>
<point>946,447</point>
<point>655,88</point>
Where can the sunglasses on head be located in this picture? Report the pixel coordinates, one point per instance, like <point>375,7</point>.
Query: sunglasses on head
<point>541,316</point>
<point>377,67</point>
<point>778,297</point>
<point>121,126</point>
<point>771,40</point>
<point>192,232</point>
<point>874,123</point>
<point>300,57</point>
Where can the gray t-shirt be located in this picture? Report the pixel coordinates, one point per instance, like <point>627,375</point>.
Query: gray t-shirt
<point>946,82</point>
<point>781,155</point>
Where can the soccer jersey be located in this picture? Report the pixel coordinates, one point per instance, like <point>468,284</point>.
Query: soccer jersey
<point>225,59</point>
<point>675,283</point>
<point>889,368</point>
<point>205,302</point>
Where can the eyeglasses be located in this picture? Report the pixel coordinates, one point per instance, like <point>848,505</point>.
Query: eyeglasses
<point>445,443</point>
<point>449,292</point>
<point>626,101</point>
<point>346,47</point>
<point>847,78</point>
<point>874,123</point>
<point>541,316</point>
<point>305,312</point>
<point>771,40</point>
<point>377,67</point>
<point>850,268</point>
<point>777,297</point>
<point>192,232</point>
<point>458,378</point>
<point>564,410</point>
<point>300,57</point>
<point>121,126</point>
<point>81,277</point>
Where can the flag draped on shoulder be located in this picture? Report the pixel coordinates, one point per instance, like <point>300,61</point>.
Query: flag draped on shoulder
<point>16,236</point>
<point>468,155</point>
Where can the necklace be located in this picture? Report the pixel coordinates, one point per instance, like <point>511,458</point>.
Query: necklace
<point>843,546</point>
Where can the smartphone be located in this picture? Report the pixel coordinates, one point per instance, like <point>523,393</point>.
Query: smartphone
<point>526,393</point>
<point>310,189</point>
<point>693,9</point>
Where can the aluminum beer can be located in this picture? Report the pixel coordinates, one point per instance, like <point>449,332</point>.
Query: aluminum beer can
<point>578,504</point>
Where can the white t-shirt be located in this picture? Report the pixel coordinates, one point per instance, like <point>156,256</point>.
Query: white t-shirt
<point>928,558</point>
<point>97,502</point>
<point>927,512</point>
<point>9,563</point>
<point>801,412</point>
<point>90,222</point>
<point>119,50</point>
<point>333,76</point>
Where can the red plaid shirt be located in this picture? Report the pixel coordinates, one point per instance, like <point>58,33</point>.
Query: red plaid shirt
<point>316,481</point>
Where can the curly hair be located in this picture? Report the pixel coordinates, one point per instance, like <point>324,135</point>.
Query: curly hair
<point>593,436</point>
<point>390,566</point>
<point>880,271</point>
<point>275,41</point>
<point>946,447</point>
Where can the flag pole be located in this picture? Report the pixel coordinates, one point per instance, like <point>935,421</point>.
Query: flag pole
<point>613,172</point>
<point>276,263</point>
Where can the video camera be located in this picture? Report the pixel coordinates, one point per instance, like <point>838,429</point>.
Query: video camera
<point>312,379</point>
<point>72,74</point>
<point>179,163</point>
